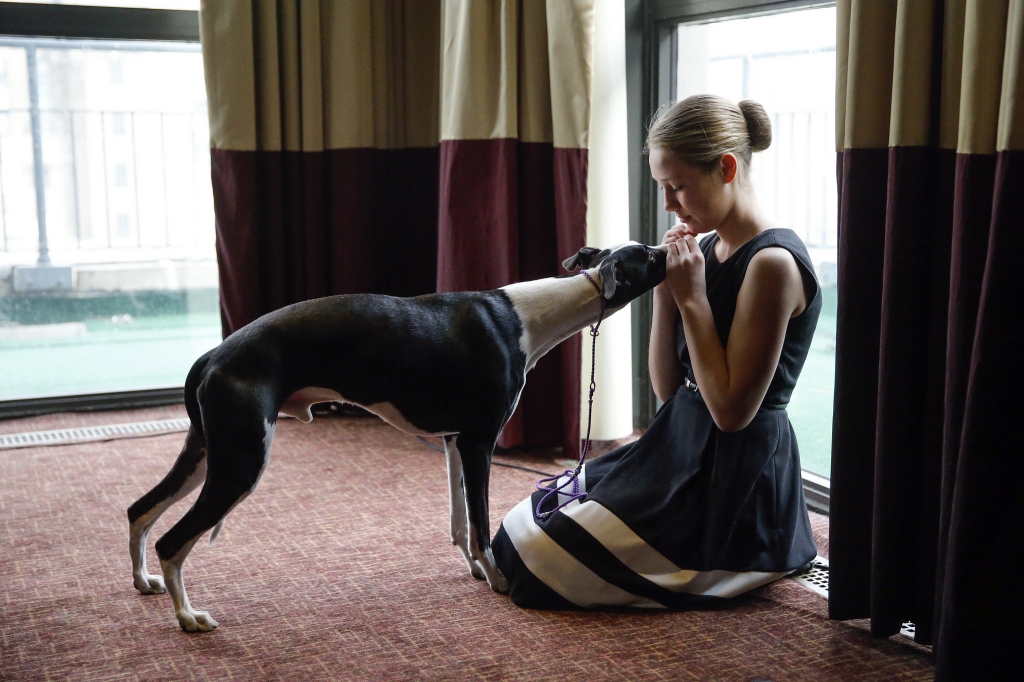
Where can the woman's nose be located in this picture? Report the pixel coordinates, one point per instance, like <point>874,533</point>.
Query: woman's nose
<point>670,201</point>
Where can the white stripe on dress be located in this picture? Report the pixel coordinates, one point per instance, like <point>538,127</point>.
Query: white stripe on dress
<point>641,558</point>
<point>564,494</point>
<point>558,569</point>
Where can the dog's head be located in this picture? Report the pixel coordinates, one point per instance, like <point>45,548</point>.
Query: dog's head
<point>624,271</point>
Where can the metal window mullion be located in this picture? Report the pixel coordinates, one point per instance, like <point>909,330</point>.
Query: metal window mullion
<point>195,196</point>
<point>106,182</point>
<point>37,154</point>
<point>3,200</point>
<point>99,23</point>
<point>710,10</point>
<point>810,160</point>
<point>135,176</point>
<point>74,179</point>
<point>163,174</point>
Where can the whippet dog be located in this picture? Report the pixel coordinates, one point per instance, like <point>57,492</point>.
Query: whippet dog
<point>450,365</point>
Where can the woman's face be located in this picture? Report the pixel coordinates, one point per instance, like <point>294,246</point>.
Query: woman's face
<point>698,198</point>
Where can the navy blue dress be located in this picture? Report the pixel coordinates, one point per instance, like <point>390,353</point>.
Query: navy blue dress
<point>687,514</point>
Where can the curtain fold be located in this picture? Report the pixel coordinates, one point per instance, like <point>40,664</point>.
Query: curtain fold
<point>927,521</point>
<point>401,147</point>
<point>515,111</point>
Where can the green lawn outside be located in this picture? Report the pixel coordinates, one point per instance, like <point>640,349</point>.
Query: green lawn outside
<point>146,352</point>
<point>810,409</point>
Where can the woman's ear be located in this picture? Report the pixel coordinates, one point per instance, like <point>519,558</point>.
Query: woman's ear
<point>729,167</point>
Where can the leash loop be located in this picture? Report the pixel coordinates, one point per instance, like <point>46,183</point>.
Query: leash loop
<point>573,475</point>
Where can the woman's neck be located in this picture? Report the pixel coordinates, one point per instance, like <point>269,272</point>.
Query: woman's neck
<point>743,222</point>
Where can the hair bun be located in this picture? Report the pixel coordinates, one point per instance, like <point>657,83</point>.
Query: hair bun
<point>759,126</point>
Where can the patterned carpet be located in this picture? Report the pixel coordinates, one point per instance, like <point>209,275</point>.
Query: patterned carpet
<point>339,567</point>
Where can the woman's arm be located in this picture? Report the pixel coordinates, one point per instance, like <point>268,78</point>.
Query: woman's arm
<point>662,360</point>
<point>734,380</point>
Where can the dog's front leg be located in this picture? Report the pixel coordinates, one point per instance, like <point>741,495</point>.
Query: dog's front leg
<point>457,504</point>
<point>475,454</point>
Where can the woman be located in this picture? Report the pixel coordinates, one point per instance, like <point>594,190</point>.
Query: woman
<point>708,503</point>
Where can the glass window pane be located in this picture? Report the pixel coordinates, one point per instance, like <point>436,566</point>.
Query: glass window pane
<point>145,4</point>
<point>129,298</point>
<point>787,63</point>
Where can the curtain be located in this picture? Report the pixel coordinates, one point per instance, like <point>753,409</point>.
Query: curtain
<point>401,147</point>
<point>927,499</point>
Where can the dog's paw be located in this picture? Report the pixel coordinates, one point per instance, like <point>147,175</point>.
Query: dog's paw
<point>149,584</point>
<point>486,566</point>
<point>499,584</point>
<point>196,621</point>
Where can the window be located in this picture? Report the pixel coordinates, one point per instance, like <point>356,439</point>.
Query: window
<point>786,62</point>
<point>108,276</point>
<point>782,54</point>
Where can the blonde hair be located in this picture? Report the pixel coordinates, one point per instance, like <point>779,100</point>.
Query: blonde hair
<point>699,129</point>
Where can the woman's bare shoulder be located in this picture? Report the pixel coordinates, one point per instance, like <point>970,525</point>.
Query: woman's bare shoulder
<point>775,269</point>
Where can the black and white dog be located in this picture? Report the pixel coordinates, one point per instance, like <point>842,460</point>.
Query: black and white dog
<point>450,365</point>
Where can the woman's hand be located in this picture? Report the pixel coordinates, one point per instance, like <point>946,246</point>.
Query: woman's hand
<point>684,270</point>
<point>676,232</point>
<point>663,292</point>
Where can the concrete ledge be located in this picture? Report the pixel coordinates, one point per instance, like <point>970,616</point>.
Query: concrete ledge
<point>28,278</point>
<point>161,275</point>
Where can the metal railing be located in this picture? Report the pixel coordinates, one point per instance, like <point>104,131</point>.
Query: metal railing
<point>82,141</point>
<point>796,179</point>
<point>96,181</point>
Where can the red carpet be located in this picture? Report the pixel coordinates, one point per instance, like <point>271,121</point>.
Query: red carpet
<point>340,567</point>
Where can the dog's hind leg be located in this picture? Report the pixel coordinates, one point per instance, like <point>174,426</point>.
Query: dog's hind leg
<point>475,454</point>
<point>457,505</point>
<point>238,438</point>
<point>188,472</point>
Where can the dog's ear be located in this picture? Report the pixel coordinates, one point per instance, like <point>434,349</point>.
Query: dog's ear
<point>584,258</point>
<point>613,275</point>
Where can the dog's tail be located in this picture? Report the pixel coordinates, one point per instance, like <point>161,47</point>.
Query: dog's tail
<point>192,382</point>
<point>216,531</point>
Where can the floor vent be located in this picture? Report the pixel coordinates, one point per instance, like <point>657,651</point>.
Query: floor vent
<point>815,579</point>
<point>91,434</point>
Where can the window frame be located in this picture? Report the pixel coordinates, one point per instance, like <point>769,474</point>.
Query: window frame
<point>31,20</point>
<point>651,69</point>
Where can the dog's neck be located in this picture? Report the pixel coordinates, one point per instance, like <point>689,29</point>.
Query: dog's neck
<point>553,309</point>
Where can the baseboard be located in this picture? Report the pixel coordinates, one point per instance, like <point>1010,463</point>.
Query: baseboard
<point>816,492</point>
<point>91,402</point>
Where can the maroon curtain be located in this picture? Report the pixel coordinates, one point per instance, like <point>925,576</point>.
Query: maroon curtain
<point>509,210</point>
<point>298,225</point>
<point>927,508</point>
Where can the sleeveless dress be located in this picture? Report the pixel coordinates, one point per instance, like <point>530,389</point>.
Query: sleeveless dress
<point>687,515</point>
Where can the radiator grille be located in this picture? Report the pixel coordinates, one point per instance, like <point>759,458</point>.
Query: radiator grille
<point>815,579</point>
<point>90,434</point>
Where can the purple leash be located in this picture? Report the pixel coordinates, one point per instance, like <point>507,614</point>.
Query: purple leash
<point>574,474</point>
